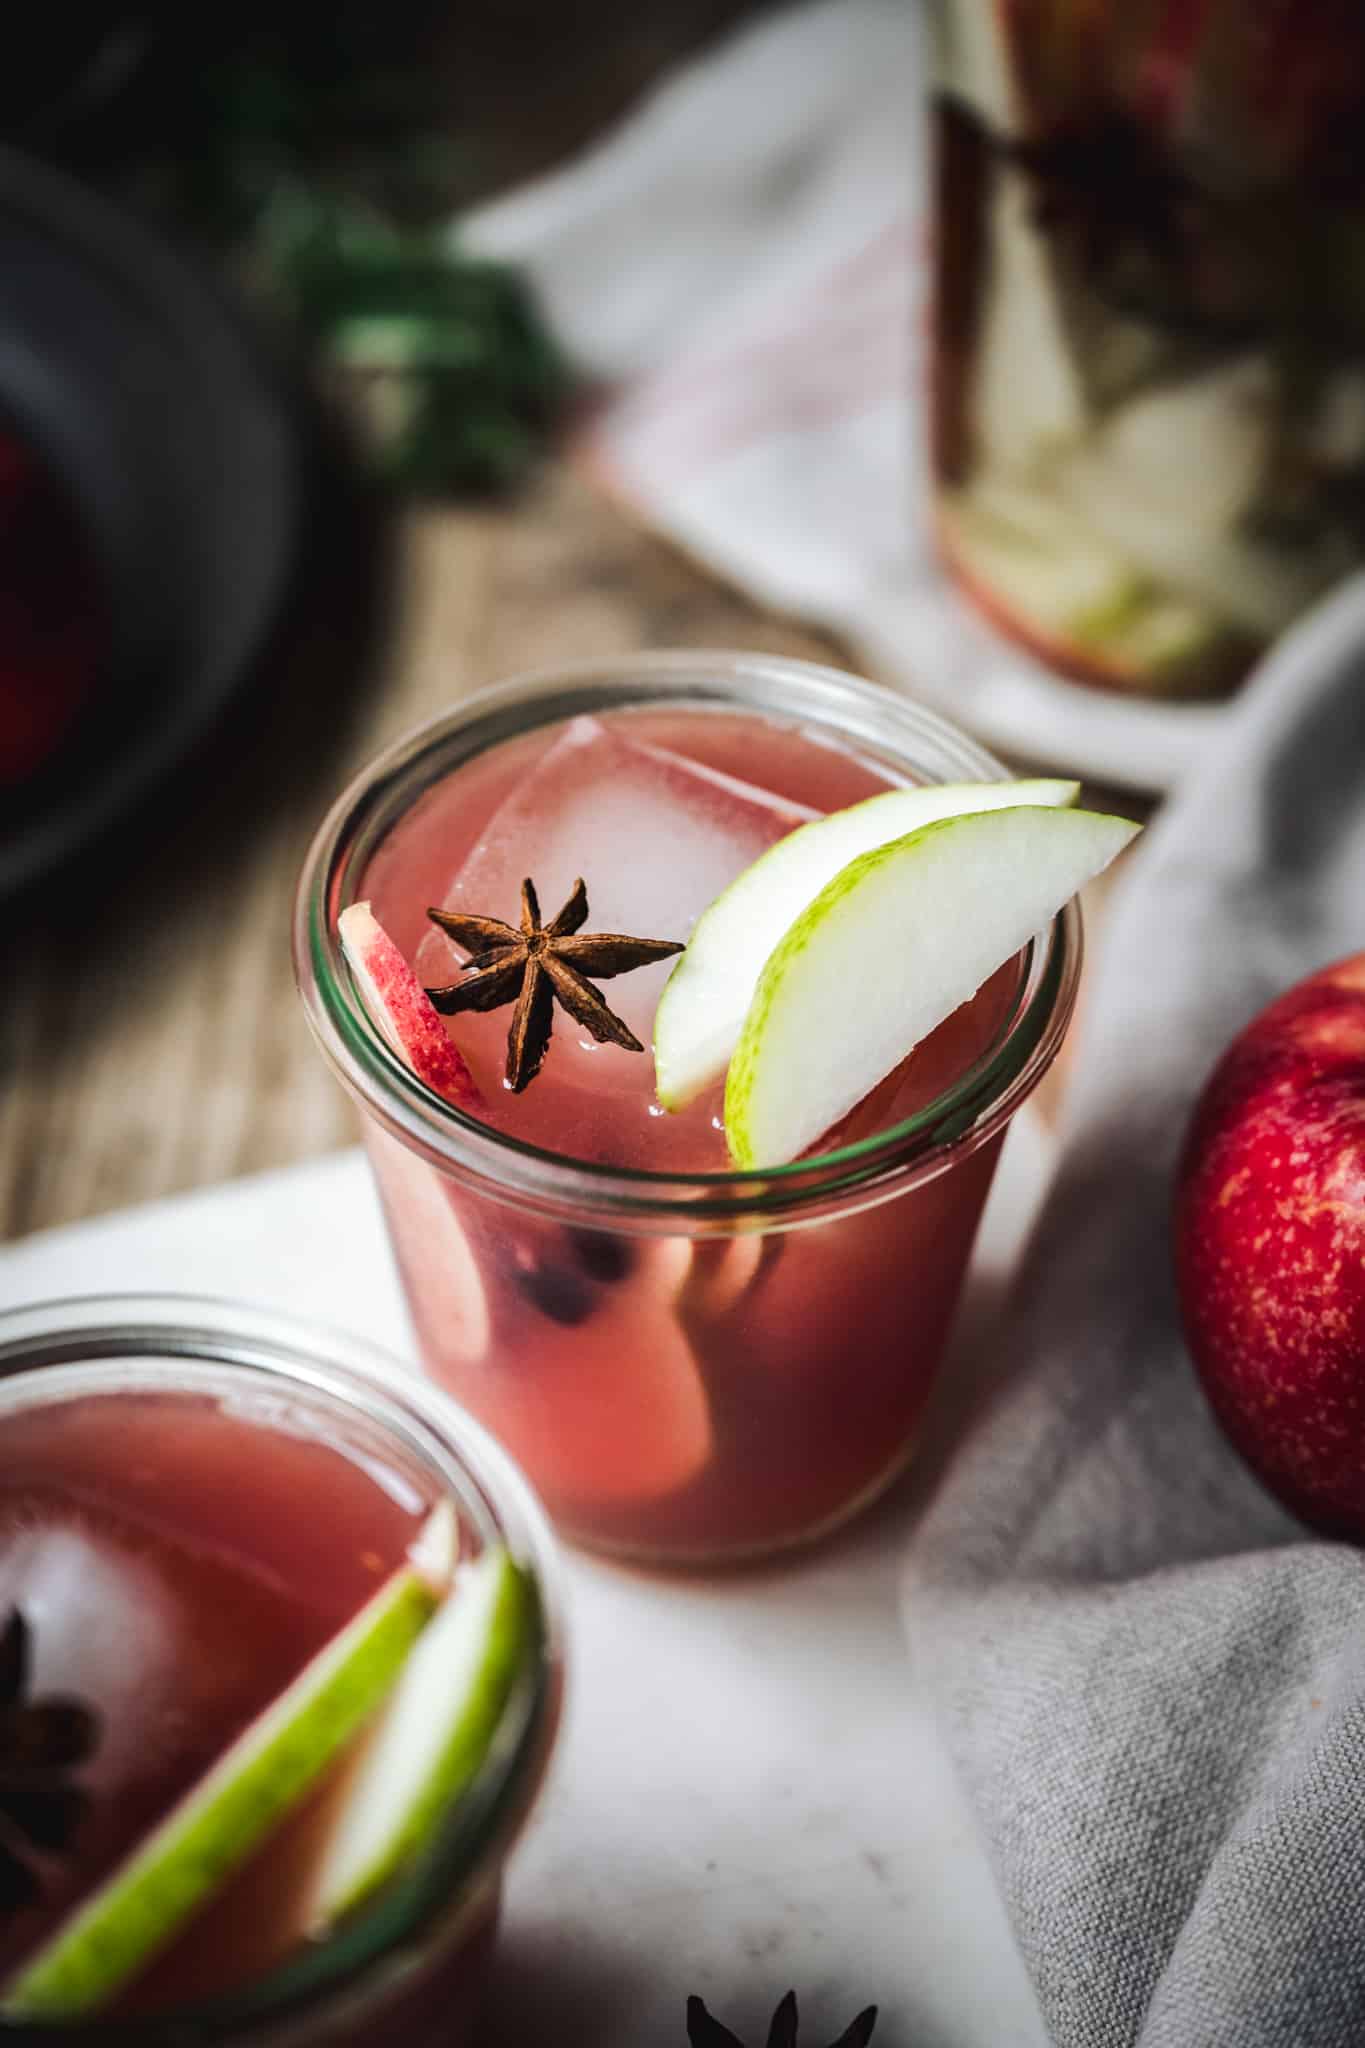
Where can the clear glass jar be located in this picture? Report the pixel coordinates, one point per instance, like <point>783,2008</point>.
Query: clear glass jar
<point>1148,376</point>
<point>413,1967</point>
<point>690,1368</point>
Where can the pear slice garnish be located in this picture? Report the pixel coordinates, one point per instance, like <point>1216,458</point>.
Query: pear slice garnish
<point>702,1010</point>
<point>433,1733</point>
<point>888,950</point>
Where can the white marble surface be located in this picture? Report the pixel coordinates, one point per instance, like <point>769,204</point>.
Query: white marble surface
<point>747,1794</point>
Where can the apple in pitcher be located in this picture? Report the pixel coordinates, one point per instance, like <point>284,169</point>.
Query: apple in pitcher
<point>1270,1246</point>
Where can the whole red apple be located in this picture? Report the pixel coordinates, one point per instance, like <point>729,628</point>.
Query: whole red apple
<point>1270,1246</point>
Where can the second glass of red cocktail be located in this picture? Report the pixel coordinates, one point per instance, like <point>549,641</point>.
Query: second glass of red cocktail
<point>279,1678</point>
<point>691,1362</point>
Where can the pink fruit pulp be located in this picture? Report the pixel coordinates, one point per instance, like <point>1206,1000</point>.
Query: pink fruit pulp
<point>1270,1246</point>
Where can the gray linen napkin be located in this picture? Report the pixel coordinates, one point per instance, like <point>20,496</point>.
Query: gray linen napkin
<point>1153,1680</point>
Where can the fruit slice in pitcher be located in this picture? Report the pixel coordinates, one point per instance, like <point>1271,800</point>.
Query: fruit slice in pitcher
<point>886,952</point>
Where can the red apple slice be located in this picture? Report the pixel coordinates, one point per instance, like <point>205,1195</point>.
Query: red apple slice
<point>589,1382</point>
<point>401,1007</point>
<point>431,1240</point>
<point>604,1411</point>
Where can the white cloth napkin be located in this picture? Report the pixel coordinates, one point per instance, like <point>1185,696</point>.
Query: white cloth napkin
<point>739,270</point>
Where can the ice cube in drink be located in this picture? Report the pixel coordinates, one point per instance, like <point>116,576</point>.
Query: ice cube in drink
<point>655,834</point>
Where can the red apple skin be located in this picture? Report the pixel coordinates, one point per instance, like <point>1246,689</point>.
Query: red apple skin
<point>402,1009</point>
<point>1270,1246</point>
<point>1211,677</point>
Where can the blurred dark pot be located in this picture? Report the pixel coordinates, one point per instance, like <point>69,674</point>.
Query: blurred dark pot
<point>187,457</point>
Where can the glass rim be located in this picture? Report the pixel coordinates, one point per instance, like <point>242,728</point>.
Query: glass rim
<point>149,1340</point>
<point>976,1105</point>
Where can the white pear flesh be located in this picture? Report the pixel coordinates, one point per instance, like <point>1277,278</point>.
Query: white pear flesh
<point>259,1779</point>
<point>702,1010</point>
<point>888,950</point>
<point>433,1733</point>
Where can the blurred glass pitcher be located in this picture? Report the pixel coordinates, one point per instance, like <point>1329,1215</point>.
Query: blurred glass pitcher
<point>1148,367</point>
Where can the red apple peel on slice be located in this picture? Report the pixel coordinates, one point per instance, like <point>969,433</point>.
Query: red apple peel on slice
<point>401,1008</point>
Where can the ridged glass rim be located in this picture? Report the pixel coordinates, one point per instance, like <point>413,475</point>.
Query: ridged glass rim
<point>94,1344</point>
<point>836,705</point>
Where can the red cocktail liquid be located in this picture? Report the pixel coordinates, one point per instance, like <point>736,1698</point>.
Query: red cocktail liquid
<point>669,1395</point>
<point>177,1559</point>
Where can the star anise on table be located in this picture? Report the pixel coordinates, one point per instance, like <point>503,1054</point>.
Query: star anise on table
<point>40,1741</point>
<point>538,966</point>
<point>705,2032</point>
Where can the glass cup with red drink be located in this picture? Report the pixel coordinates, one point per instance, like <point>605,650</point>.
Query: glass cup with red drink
<point>279,1676</point>
<point>694,1261</point>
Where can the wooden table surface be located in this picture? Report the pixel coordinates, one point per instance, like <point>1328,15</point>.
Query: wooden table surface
<point>151,1039</point>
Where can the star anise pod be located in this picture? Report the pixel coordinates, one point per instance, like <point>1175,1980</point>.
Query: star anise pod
<point>537,966</point>
<point>1104,186</point>
<point>705,2032</point>
<point>40,1740</point>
